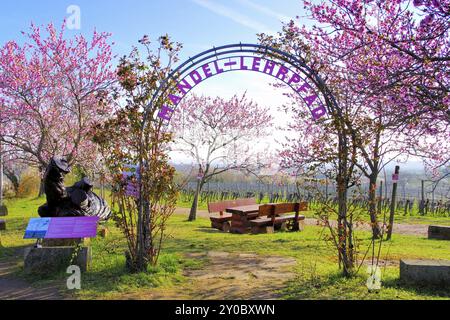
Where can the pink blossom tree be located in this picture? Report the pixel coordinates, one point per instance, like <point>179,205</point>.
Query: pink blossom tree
<point>398,51</point>
<point>52,91</point>
<point>142,214</point>
<point>218,134</point>
<point>372,49</point>
<point>390,84</point>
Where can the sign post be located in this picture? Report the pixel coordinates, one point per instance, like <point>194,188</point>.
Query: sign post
<point>395,179</point>
<point>3,209</point>
<point>1,178</point>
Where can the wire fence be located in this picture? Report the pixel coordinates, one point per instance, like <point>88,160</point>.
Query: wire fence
<point>436,204</point>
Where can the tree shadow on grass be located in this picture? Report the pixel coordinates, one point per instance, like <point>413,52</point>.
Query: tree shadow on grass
<point>312,286</point>
<point>115,279</point>
<point>442,291</point>
<point>12,253</point>
<point>209,230</point>
<point>336,286</point>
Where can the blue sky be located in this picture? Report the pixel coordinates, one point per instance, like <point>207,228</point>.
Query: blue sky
<point>198,24</point>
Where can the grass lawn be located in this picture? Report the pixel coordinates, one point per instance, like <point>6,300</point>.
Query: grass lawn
<point>316,272</point>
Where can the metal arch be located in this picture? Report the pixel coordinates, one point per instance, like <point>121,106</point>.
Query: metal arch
<point>270,75</point>
<point>245,48</point>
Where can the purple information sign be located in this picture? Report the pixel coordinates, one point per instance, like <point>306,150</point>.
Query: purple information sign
<point>395,178</point>
<point>131,174</point>
<point>62,228</point>
<point>72,228</point>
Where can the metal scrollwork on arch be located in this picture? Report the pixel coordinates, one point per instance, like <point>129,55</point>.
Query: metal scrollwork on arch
<point>243,57</point>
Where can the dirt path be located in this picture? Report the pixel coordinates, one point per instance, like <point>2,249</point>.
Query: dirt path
<point>399,228</point>
<point>15,289</point>
<point>240,276</point>
<point>228,276</point>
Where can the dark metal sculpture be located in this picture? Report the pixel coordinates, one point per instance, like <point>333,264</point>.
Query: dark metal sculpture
<point>76,201</point>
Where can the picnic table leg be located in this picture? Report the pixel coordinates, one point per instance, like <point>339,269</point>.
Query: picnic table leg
<point>239,224</point>
<point>226,227</point>
<point>223,226</point>
<point>298,225</point>
<point>262,229</point>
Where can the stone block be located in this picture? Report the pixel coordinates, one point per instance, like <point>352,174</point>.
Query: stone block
<point>439,232</point>
<point>425,272</point>
<point>64,242</point>
<point>48,260</point>
<point>3,211</point>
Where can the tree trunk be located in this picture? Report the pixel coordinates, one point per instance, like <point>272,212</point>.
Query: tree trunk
<point>147,239</point>
<point>376,231</point>
<point>139,260</point>
<point>344,256</point>
<point>41,188</point>
<point>193,212</point>
<point>1,176</point>
<point>13,178</point>
<point>422,200</point>
<point>345,247</point>
<point>380,198</point>
<point>42,170</point>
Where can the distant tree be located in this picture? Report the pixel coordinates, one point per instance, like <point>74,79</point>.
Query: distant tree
<point>13,167</point>
<point>218,135</point>
<point>53,90</point>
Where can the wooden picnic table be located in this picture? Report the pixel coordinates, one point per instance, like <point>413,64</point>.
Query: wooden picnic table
<point>241,217</point>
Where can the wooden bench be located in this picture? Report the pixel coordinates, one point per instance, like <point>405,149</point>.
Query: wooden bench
<point>272,216</point>
<point>222,220</point>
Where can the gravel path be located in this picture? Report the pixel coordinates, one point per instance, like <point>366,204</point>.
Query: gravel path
<point>16,289</point>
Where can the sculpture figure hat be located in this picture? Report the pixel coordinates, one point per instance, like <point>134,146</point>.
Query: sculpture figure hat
<point>61,164</point>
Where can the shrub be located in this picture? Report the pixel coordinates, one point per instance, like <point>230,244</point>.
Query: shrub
<point>29,183</point>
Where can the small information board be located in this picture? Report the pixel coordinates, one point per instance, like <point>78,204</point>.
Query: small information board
<point>130,174</point>
<point>62,228</point>
<point>37,228</point>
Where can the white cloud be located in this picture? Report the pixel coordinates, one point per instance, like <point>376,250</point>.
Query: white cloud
<point>265,10</point>
<point>268,11</point>
<point>234,15</point>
